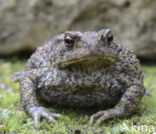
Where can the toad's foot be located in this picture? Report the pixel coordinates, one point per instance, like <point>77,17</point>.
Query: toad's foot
<point>40,112</point>
<point>104,115</point>
<point>124,107</point>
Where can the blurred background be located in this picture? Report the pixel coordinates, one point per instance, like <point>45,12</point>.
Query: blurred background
<point>27,24</point>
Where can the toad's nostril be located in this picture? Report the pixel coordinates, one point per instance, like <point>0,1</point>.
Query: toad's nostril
<point>86,44</point>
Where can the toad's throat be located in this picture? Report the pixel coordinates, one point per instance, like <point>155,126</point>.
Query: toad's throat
<point>87,63</point>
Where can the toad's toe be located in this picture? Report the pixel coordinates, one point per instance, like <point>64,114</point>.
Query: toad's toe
<point>40,112</point>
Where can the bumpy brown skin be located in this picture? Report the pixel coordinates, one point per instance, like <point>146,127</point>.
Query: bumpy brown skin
<point>90,72</point>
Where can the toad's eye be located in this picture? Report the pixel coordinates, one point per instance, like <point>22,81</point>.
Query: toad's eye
<point>110,38</point>
<point>107,38</point>
<point>69,41</point>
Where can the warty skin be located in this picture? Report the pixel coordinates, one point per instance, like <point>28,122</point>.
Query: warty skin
<point>86,70</point>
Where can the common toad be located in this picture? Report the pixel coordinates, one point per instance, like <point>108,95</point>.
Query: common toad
<point>85,70</point>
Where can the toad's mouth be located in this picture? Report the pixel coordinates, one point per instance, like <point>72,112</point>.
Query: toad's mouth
<point>88,63</point>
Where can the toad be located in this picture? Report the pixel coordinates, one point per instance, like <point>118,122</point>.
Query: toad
<point>84,70</point>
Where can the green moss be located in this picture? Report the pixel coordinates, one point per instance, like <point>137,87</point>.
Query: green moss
<point>14,120</point>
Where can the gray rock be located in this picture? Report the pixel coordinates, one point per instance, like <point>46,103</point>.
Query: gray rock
<point>27,24</point>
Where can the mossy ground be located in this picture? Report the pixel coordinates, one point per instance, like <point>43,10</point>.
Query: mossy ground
<point>14,120</point>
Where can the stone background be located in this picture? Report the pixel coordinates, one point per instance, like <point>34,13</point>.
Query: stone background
<point>26,24</point>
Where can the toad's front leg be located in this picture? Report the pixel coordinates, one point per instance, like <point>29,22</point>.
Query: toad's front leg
<point>125,106</point>
<point>30,103</point>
